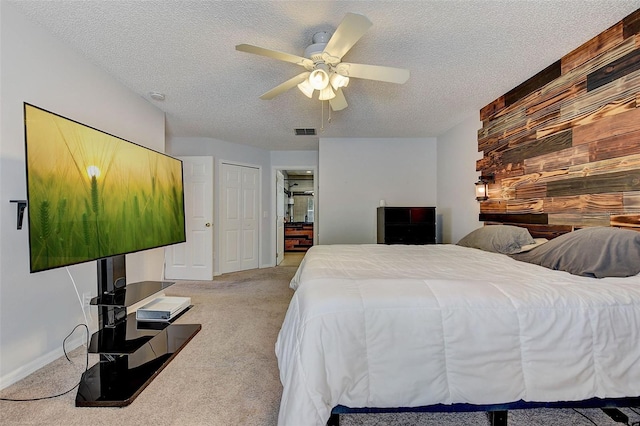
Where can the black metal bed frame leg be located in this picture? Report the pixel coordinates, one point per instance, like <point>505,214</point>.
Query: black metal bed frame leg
<point>498,418</point>
<point>616,415</point>
<point>334,420</point>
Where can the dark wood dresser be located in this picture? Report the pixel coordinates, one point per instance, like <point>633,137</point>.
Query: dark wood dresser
<point>406,225</point>
<point>298,236</point>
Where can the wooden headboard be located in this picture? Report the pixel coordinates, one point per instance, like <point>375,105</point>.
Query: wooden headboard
<point>564,146</point>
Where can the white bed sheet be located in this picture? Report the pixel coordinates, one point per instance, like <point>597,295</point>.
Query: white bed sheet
<point>401,326</point>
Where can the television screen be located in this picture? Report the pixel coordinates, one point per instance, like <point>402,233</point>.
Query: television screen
<point>93,195</point>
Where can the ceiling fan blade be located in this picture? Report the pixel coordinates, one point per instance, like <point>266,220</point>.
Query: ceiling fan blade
<point>374,72</point>
<point>339,102</point>
<point>350,30</point>
<point>287,57</point>
<point>289,84</point>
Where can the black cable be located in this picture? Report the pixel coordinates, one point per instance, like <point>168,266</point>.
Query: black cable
<point>64,349</point>
<point>585,416</point>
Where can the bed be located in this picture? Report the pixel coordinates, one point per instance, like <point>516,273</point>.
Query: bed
<point>389,326</point>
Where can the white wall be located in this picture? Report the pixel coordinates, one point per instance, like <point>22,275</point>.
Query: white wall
<point>356,173</point>
<point>457,206</point>
<point>237,154</point>
<point>294,160</point>
<point>38,310</point>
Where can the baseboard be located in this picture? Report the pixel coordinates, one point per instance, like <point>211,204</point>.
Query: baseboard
<point>25,370</point>
<point>262,266</point>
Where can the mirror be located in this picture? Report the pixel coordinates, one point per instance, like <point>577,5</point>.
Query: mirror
<point>299,198</point>
<point>302,208</point>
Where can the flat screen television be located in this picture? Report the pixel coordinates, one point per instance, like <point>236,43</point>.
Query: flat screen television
<point>92,195</point>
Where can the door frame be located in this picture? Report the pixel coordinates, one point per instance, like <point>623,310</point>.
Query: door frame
<point>218,209</point>
<point>274,212</point>
<point>279,205</point>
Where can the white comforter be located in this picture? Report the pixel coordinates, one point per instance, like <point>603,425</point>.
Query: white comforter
<point>400,326</point>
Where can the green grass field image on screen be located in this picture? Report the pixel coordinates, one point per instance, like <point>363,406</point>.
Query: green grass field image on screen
<point>93,195</point>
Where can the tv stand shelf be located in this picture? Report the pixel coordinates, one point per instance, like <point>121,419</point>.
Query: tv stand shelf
<point>127,336</point>
<point>117,382</point>
<point>130,294</point>
<point>132,353</point>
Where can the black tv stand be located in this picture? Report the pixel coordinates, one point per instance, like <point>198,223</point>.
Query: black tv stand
<point>132,353</point>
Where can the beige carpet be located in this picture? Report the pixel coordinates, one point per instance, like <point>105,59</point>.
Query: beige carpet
<point>292,258</point>
<point>227,375</point>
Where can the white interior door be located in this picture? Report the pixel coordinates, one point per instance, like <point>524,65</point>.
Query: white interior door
<point>193,260</point>
<point>239,218</point>
<point>279,217</point>
<point>250,218</point>
<point>230,219</point>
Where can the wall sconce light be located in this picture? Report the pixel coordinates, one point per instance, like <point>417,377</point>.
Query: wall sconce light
<point>482,187</point>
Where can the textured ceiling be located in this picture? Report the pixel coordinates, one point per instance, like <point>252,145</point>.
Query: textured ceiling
<point>461,54</point>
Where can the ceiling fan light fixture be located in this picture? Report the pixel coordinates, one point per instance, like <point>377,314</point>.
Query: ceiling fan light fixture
<point>338,81</point>
<point>319,79</point>
<point>314,51</point>
<point>327,94</point>
<point>324,69</point>
<point>306,88</point>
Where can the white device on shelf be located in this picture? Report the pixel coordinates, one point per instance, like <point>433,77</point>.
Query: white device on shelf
<point>163,308</point>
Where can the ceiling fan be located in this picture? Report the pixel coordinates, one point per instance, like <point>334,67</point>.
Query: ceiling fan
<point>325,70</point>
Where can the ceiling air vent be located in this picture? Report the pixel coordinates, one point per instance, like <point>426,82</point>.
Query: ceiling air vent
<point>305,132</point>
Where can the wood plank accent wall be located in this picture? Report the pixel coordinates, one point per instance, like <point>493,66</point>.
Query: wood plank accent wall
<point>564,146</point>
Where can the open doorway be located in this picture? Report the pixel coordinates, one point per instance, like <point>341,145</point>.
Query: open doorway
<point>296,214</point>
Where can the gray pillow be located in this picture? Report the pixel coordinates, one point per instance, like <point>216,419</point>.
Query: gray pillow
<point>591,252</point>
<point>506,239</point>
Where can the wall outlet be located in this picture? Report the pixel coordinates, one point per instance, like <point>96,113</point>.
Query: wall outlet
<point>86,300</point>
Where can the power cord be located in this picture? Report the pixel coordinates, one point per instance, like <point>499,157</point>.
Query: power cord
<point>64,349</point>
<point>84,313</point>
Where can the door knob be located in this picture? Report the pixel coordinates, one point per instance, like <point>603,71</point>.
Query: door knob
<point>208,225</point>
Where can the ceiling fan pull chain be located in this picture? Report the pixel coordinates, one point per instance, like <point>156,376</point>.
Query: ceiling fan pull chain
<point>329,109</point>
<point>321,116</point>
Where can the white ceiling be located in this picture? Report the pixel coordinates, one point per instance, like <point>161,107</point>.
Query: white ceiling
<point>461,54</point>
